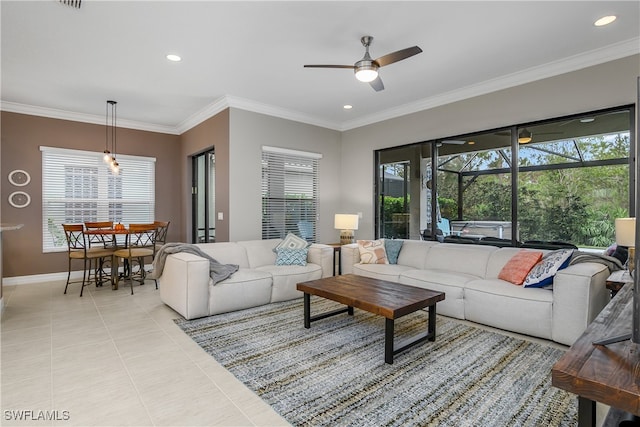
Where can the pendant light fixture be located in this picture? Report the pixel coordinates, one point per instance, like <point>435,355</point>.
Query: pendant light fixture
<point>110,156</point>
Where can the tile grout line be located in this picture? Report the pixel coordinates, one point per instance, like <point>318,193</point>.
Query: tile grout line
<point>122,361</point>
<point>202,370</point>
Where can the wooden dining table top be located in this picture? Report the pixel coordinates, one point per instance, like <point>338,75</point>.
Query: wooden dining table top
<point>104,231</point>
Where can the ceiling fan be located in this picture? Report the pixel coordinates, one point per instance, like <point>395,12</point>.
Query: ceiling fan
<point>366,69</point>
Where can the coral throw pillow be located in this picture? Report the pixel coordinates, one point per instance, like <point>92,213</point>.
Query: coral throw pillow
<point>518,267</point>
<point>372,252</point>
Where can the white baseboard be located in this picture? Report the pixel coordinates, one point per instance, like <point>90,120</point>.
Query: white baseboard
<point>50,277</point>
<point>39,278</point>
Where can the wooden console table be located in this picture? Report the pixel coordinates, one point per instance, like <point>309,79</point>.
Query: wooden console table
<point>607,374</point>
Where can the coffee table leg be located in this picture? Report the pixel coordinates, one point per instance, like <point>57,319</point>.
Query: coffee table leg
<point>307,310</point>
<point>432,323</point>
<point>388,341</point>
<point>350,310</point>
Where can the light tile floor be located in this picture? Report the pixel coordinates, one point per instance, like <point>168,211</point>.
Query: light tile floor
<point>112,359</point>
<point>115,359</point>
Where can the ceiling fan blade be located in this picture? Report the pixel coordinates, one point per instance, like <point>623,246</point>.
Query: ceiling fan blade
<point>398,56</point>
<point>330,66</point>
<point>377,84</point>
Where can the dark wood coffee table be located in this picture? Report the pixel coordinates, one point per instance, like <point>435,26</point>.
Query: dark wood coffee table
<point>388,299</point>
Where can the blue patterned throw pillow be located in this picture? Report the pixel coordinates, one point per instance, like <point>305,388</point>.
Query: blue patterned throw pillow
<point>286,256</point>
<point>542,273</point>
<point>392,247</point>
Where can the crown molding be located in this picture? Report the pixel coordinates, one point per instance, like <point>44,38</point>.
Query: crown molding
<point>551,69</point>
<point>573,63</point>
<point>52,113</point>
<point>200,116</point>
<point>283,113</point>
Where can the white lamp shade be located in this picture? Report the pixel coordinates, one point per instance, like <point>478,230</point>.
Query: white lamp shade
<point>345,222</point>
<point>626,232</point>
<point>366,75</point>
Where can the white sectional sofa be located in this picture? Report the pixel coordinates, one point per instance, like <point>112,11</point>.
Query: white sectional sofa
<point>468,274</point>
<point>186,287</point>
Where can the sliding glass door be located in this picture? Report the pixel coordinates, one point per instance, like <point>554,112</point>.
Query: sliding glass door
<point>560,180</point>
<point>203,197</point>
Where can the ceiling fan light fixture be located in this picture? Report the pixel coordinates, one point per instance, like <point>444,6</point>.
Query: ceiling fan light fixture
<point>366,72</point>
<point>525,136</point>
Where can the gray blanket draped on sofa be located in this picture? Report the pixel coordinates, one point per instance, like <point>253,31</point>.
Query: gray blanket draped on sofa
<point>217,271</point>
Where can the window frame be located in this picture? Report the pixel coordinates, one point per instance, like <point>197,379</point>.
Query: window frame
<point>77,186</point>
<point>278,211</point>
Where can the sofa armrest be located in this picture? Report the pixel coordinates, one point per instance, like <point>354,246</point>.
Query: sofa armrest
<point>321,255</point>
<point>579,294</point>
<point>349,255</point>
<point>184,284</point>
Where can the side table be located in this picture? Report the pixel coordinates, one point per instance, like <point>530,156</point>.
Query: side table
<point>597,373</point>
<point>336,251</point>
<point>617,280</point>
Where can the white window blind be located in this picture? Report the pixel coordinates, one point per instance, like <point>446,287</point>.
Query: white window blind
<point>289,193</point>
<point>77,186</point>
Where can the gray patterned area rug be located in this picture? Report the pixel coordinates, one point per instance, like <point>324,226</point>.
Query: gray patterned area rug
<point>334,373</point>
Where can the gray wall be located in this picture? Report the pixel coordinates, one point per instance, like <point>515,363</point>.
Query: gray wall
<point>606,85</point>
<point>248,133</point>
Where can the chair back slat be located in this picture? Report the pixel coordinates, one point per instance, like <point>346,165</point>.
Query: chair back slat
<point>142,236</point>
<point>161,233</point>
<point>75,236</point>
<point>107,241</point>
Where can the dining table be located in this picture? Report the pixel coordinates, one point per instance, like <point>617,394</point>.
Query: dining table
<point>114,232</point>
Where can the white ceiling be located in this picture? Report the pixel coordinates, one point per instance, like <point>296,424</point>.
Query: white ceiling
<point>63,62</point>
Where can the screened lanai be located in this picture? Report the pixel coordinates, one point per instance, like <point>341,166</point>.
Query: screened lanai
<point>561,180</point>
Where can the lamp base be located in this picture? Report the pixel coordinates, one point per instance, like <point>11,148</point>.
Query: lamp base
<point>346,237</point>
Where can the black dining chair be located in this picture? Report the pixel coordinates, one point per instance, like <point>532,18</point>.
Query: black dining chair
<point>79,249</point>
<point>140,244</point>
<point>106,241</point>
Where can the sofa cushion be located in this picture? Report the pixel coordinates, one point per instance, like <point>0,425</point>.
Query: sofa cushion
<point>465,259</point>
<point>414,252</point>
<point>498,303</point>
<point>517,268</point>
<point>260,252</point>
<point>541,275</point>
<point>390,272</point>
<point>243,289</point>
<point>286,256</point>
<point>450,283</point>
<point>226,253</point>
<point>286,277</point>
<point>372,252</point>
<point>392,247</point>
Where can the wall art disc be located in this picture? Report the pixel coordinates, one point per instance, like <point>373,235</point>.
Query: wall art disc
<point>19,177</point>
<point>19,199</point>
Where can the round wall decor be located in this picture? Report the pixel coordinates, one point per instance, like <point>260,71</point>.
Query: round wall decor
<point>19,177</point>
<point>19,199</point>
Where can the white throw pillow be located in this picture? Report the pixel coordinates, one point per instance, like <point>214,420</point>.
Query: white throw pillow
<point>372,252</point>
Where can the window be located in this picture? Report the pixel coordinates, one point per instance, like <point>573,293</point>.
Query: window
<point>77,186</point>
<point>289,193</point>
<point>565,179</point>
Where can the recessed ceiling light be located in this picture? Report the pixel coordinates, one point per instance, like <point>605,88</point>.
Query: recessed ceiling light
<point>471,142</point>
<point>174,58</point>
<point>587,120</point>
<point>348,107</point>
<point>605,20</point>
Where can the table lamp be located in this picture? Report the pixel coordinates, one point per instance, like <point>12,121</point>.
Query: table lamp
<point>626,236</point>
<point>346,223</point>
